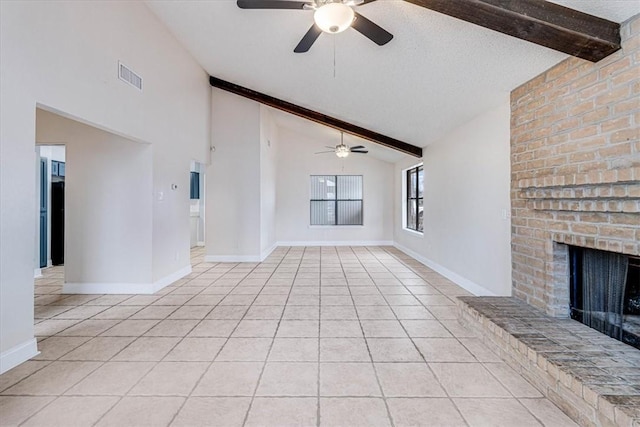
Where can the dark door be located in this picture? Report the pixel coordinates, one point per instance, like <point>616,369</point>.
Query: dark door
<point>43,212</point>
<point>57,223</point>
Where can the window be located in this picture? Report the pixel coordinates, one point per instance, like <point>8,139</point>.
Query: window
<point>194,187</point>
<point>336,200</point>
<point>57,168</point>
<point>415,206</point>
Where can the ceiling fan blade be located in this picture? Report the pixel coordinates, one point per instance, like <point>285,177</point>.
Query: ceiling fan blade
<point>324,152</point>
<point>327,146</point>
<point>372,31</point>
<point>356,2</point>
<point>271,4</point>
<point>308,39</point>
<point>361,152</point>
<point>357,147</point>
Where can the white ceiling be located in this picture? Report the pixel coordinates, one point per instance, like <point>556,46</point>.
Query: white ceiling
<point>435,75</point>
<point>327,136</point>
<point>613,10</point>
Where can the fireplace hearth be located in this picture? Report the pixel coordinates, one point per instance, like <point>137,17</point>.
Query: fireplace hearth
<point>605,292</point>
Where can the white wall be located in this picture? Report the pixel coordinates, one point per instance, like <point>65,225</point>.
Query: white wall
<point>258,186</point>
<point>268,181</point>
<point>233,180</point>
<point>466,189</point>
<point>297,161</point>
<point>108,200</point>
<point>63,57</point>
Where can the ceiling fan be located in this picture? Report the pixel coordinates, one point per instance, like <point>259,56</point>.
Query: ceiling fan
<point>330,16</point>
<point>342,150</point>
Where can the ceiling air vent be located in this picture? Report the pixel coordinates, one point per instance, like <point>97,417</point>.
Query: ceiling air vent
<point>127,75</point>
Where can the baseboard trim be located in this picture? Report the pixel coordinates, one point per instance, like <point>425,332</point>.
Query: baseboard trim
<point>268,252</point>
<point>232,258</point>
<point>241,258</point>
<point>463,282</point>
<point>125,288</point>
<point>18,354</point>
<point>338,243</point>
<point>173,277</point>
<point>107,288</point>
<point>37,273</point>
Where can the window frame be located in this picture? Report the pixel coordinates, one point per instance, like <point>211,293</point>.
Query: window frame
<point>336,200</point>
<point>408,199</point>
<point>194,185</point>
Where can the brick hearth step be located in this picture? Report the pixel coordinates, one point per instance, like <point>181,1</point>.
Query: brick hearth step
<point>592,377</point>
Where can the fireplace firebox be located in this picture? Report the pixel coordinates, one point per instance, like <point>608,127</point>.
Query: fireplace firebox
<point>605,292</point>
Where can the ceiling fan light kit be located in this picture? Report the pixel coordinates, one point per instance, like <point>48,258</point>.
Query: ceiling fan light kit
<point>334,17</point>
<point>342,151</point>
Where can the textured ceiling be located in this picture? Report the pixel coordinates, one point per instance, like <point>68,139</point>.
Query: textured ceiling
<point>436,74</point>
<point>326,136</point>
<point>613,10</point>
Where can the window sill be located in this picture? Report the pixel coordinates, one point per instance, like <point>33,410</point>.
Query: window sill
<point>415,233</point>
<point>336,226</point>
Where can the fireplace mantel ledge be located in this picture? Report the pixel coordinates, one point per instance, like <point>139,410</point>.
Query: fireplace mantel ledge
<point>612,176</point>
<point>602,243</point>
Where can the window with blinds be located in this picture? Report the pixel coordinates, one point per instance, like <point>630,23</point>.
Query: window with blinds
<point>336,199</point>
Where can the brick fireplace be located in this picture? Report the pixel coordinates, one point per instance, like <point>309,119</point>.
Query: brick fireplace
<point>575,169</point>
<point>575,184</point>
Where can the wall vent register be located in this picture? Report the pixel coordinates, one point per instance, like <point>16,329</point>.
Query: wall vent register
<point>127,75</point>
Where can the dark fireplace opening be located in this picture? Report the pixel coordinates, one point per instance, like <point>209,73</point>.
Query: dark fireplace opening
<point>605,292</point>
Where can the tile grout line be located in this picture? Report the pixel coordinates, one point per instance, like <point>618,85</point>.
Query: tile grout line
<point>51,361</point>
<point>275,333</point>
<point>230,292</point>
<point>411,338</point>
<point>155,364</point>
<point>375,253</point>
<point>373,365</point>
<point>222,346</point>
<point>57,397</point>
<point>513,396</point>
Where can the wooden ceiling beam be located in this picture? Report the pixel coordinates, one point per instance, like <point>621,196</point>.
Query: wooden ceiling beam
<point>548,24</point>
<point>314,116</point>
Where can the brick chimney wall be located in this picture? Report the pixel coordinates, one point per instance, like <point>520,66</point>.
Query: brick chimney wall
<point>575,168</point>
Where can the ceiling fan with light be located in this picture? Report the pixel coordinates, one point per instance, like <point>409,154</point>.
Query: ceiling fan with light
<point>342,150</point>
<point>330,16</point>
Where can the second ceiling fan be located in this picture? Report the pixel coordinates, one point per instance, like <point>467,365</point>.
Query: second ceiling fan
<point>342,150</point>
<point>330,16</point>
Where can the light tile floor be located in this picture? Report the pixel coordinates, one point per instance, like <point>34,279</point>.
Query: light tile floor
<point>360,336</point>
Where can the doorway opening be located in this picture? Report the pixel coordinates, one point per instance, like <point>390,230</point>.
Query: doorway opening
<point>196,211</point>
<point>51,201</point>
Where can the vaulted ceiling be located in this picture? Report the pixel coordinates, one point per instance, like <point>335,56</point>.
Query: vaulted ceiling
<point>435,75</point>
